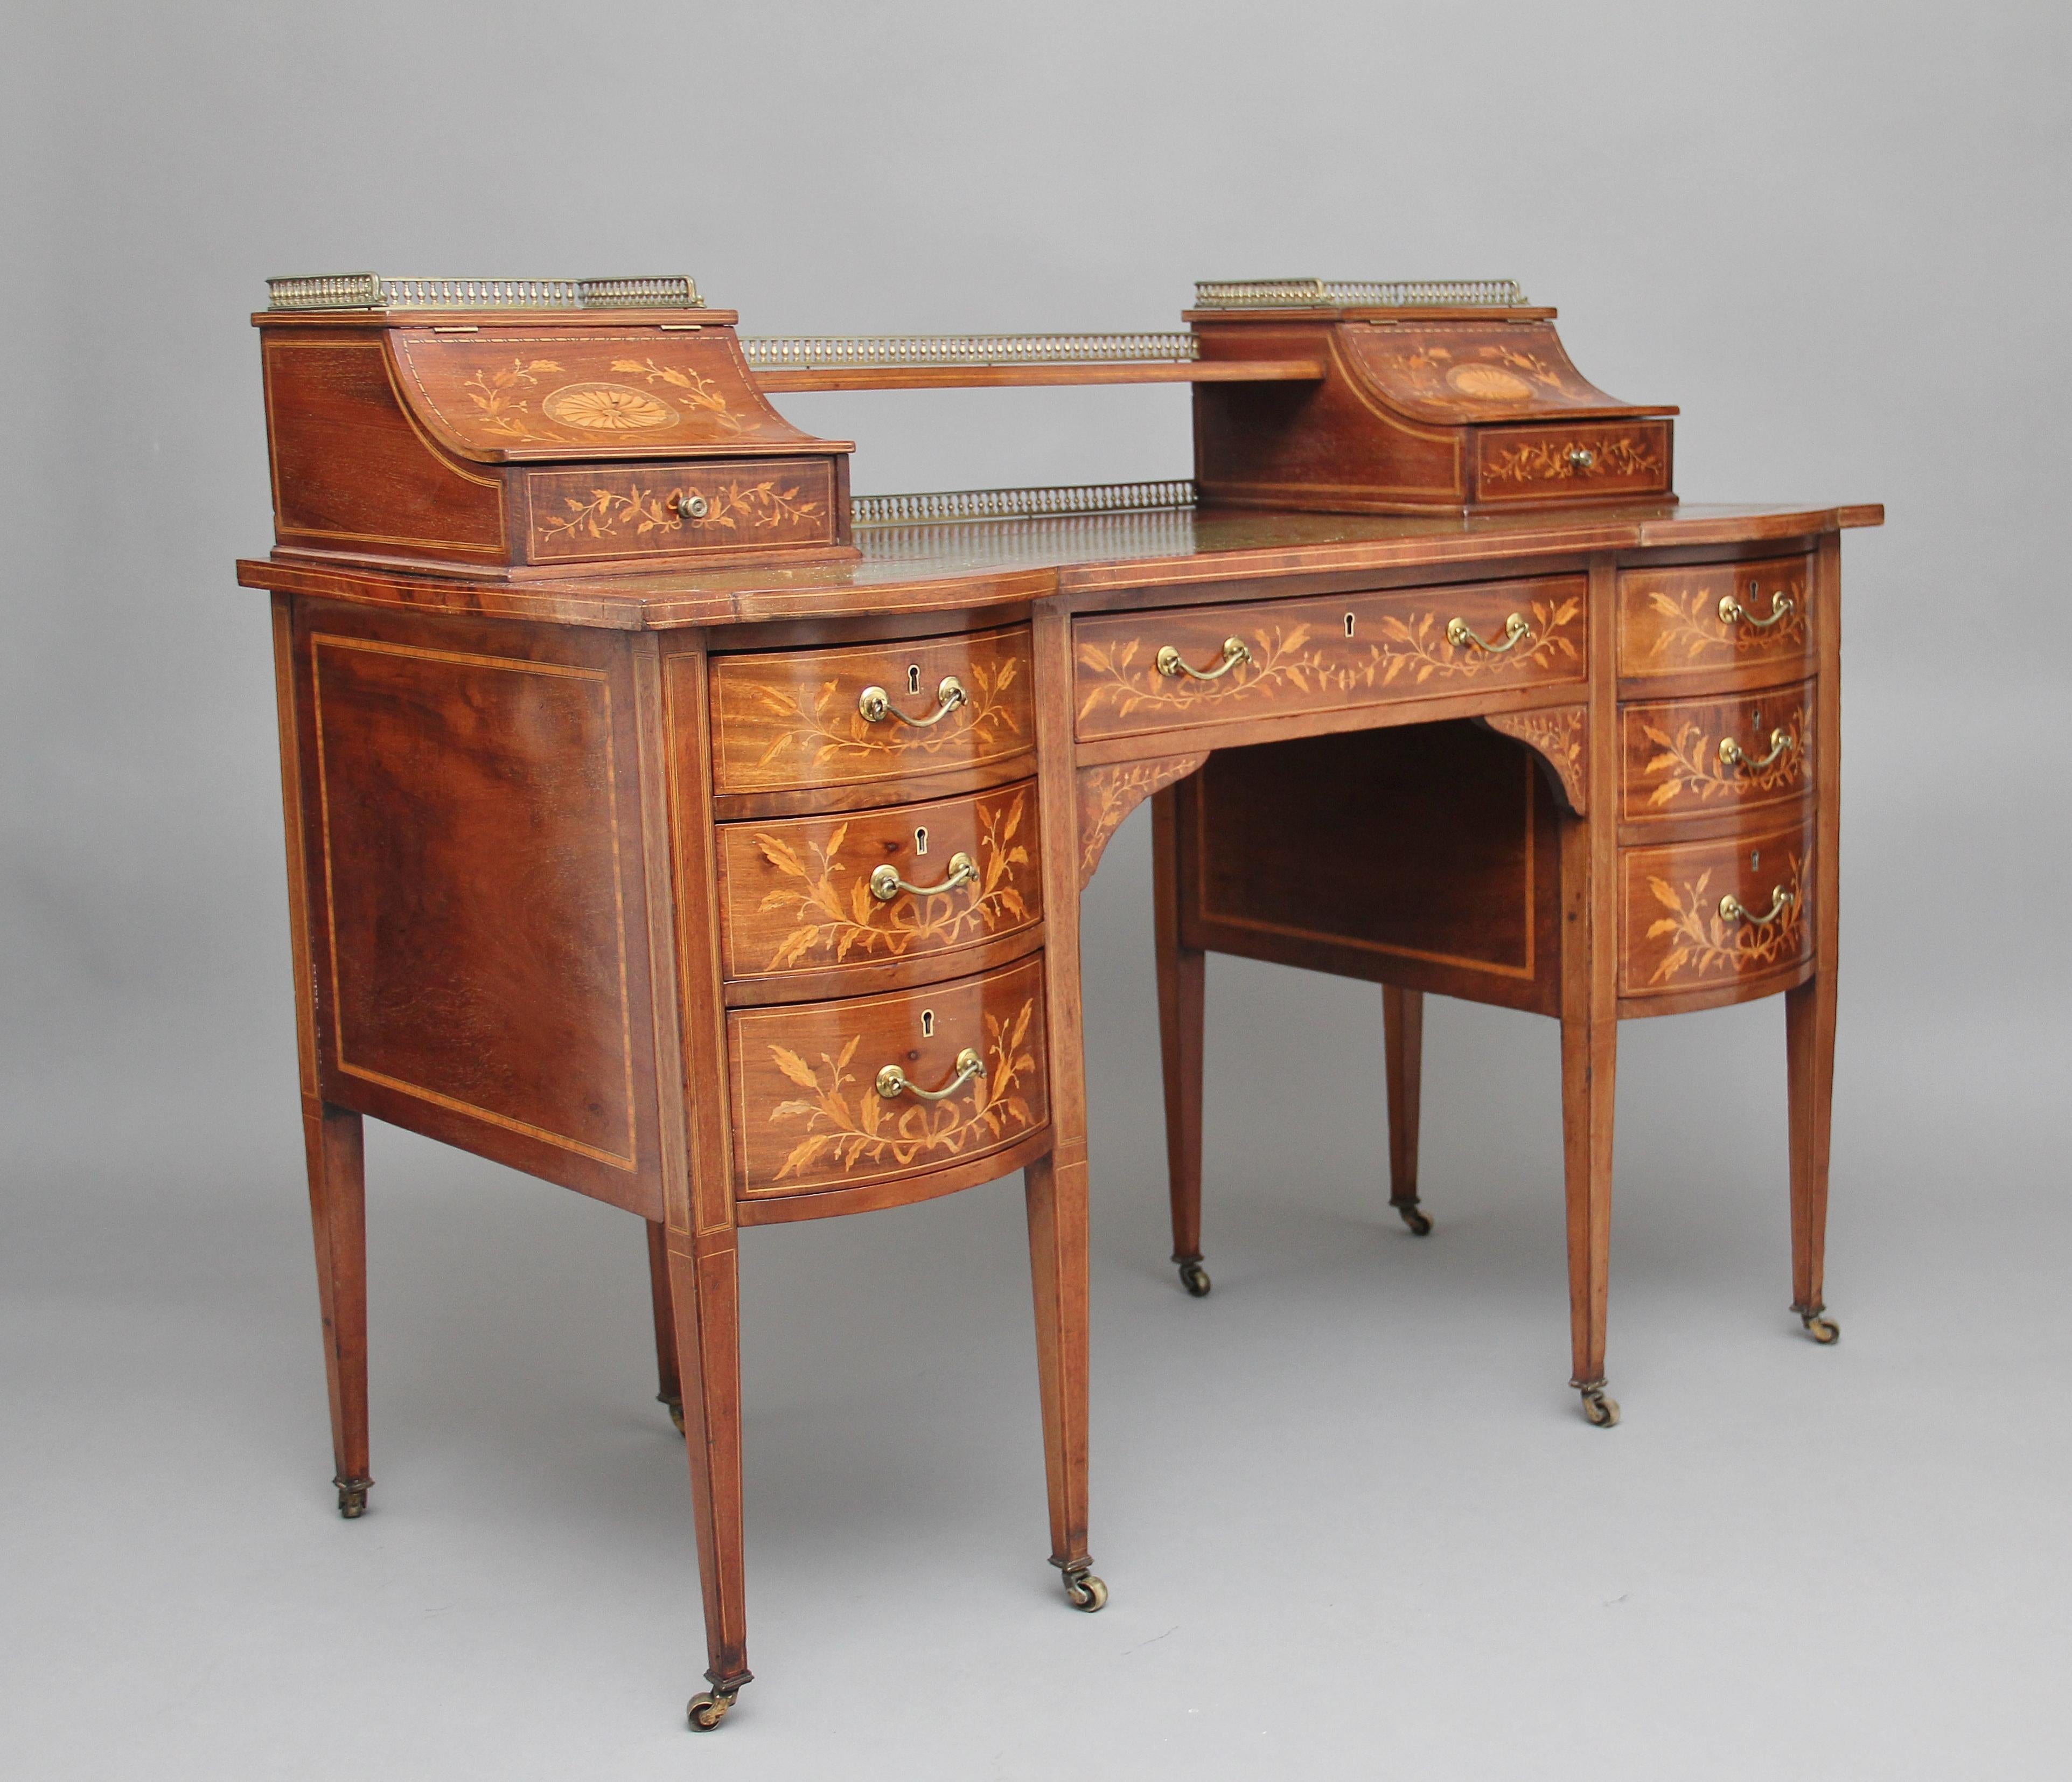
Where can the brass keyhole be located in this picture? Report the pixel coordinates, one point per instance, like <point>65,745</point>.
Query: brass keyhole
<point>921,839</point>
<point>1755,858</point>
<point>1349,624</point>
<point>913,676</point>
<point>927,1023</point>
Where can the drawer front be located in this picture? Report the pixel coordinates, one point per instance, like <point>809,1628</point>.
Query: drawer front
<point>809,1113</point>
<point>1568,463</point>
<point>1671,620</point>
<point>1305,655</point>
<point>649,510</point>
<point>1697,757</point>
<point>800,896</point>
<point>798,718</point>
<point>1675,935</point>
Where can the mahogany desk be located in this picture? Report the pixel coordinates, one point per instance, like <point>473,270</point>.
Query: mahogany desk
<point>696,848</point>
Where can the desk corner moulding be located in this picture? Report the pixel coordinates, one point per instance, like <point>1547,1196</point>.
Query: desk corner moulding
<point>670,823</point>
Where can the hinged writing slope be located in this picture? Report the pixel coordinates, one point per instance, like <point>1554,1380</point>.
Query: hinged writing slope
<point>525,437</point>
<point>1436,398</point>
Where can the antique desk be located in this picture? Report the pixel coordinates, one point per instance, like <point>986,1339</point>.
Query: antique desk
<point>666,824</point>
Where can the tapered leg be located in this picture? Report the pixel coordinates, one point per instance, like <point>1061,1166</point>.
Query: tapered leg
<point>1180,984</point>
<point>705,1295</point>
<point>1809,1048</point>
<point>671,1390</point>
<point>1403,1028</point>
<point>332,1141</point>
<point>1057,1273</point>
<point>1589,1071</point>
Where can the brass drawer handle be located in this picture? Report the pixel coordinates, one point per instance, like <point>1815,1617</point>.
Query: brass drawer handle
<point>1732,613</point>
<point>1732,754</point>
<point>1733,909</point>
<point>1515,632</point>
<point>1235,652</point>
<point>690,504</point>
<point>1581,458</point>
<point>876,704</point>
<point>887,884</point>
<point>892,1081</point>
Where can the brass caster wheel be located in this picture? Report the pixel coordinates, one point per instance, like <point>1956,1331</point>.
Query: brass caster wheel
<point>1194,1277</point>
<point>1598,1409</point>
<point>353,1497</point>
<point>1085,1592</point>
<point>1419,1225</point>
<point>1823,1330</point>
<point>676,1412</point>
<point>706,1711</point>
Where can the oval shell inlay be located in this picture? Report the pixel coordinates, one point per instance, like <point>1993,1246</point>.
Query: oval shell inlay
<point>607,408</point>
<point>1488,383</point>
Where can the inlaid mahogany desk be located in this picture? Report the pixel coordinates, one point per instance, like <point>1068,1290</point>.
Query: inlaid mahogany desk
<point>665,825</point>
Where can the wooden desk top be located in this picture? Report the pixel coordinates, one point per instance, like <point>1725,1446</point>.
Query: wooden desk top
<point>918,569</point>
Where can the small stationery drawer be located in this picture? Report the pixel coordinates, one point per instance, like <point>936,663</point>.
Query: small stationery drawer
<point>650,510</point>
<point>1716,615</point>
<point>1572,463</point>
<point>1702,915</point>
<point>817,893</point>
<point>1152,671</point>
<point>829,717</point>
<point>835,1094</point>
<point>1696,757</point>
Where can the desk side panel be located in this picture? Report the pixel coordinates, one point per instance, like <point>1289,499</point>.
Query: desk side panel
<point>479,929</point>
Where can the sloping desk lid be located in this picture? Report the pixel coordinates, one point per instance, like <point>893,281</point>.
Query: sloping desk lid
<point>511,393</point>
<point>1454,372</point>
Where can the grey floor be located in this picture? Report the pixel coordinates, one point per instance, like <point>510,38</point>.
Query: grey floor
<point>1352,1521</point>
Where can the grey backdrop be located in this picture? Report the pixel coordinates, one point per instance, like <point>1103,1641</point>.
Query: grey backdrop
<point>1352,1521</point>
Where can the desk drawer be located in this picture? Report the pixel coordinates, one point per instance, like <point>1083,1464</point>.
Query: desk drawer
<point>1674,936</point>
<point>1671,620</point>
<point>1698,757</point>
<point>797,896</point>
<point>805,717</point>
<point>674,510</point>
<point>809,1113</point>
<point>1571,462</point>
<point>1305,655</point>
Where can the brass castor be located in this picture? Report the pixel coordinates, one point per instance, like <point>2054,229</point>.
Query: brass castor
<point>1194,1277</point>
<point>706,1710</point>
<point>1823,1330</point>
<point>1083,1590</point>
<point>1597,1409</point>
<point>675,1410</point>
<point>1419,1225</point>
<point>353,1497</point>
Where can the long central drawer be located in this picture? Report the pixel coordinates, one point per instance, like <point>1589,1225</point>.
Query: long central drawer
<point>1153,671</point>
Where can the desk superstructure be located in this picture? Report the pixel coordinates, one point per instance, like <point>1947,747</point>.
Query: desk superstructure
<point>666,824</point>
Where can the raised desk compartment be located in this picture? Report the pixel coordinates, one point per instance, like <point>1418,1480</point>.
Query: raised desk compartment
<point>910,890</point>
<point>1705,617</point>
<point>1696,915</point>
<point>822,717</point>
<point>1141,671</point>
<point>811,1109</point>
<point>1571,462</point>
<point>1703,757</point>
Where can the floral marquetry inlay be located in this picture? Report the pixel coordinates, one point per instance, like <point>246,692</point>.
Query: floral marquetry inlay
<point>1107,795</point>
<point>844,1127</point>
<point>1684,764</point>
<point>1561,737</point>
<point>1702,943</point>
<point>1568,460</point>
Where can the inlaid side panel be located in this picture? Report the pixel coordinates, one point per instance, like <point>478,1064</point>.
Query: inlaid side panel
<point>803,718</point>
<point>1425,855</point>
<point>1695,757</point>
<point>475,954</point>
<point>798,896</point>
<point>808,1112</point>
<point>1700,915</point>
